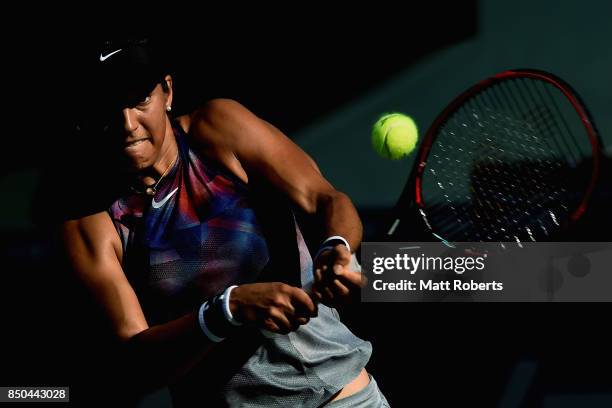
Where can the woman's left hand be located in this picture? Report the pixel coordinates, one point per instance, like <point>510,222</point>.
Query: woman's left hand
<point>334,282</point>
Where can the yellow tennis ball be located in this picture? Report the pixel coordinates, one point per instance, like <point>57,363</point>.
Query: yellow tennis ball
<point>394,135</point>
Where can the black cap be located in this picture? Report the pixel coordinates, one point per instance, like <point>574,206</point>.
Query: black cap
<point>113,75</point>
<point>128,70</point>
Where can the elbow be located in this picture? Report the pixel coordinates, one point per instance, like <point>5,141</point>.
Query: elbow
<point>318,202</point>
<point>130,335</point>
<point>129,328</point>
<point>332,198</point>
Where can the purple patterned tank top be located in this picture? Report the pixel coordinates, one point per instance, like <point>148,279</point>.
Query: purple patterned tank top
<point>196,236</point>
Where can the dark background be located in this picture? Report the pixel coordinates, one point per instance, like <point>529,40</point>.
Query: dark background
<point>296,67</point>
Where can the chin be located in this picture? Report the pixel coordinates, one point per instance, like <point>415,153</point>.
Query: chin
<point>142,165</point>
<point>139,163</point>
<point>140,160</point>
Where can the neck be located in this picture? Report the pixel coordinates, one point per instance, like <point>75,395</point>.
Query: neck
<point>168,155</point>
<point>167,158</point>
<point>169,151</point>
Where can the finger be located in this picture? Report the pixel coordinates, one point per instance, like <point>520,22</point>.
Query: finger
<point>288,308</point>
<point>318,275</point>
<point>297,320</point>
<point>328,295</point>
<point>351,278</point>
<point>303,304</point>
<point>338,269</point>
<point>328,274</point>
<point>295,324</point>
<point>302,320</point>
<point>343,256</point>
<point>281,302</point>
<point>270,325</point>
<point>316,296</point>
<point>339,289</point>
<point>282,322</point>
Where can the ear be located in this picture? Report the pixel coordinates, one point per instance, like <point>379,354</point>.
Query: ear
<point>169,94</point>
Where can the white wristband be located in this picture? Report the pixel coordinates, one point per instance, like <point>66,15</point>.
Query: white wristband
<point>326,247</point>
<point>226,309</point>
<point>341,239</point>
<point>205,329</point>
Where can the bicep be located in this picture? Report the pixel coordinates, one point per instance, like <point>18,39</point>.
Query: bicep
<point>93,248</point>
<point>266,153</point>
<point>275,157</point>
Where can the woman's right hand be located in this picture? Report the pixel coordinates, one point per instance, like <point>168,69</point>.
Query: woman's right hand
<point>273,306</point>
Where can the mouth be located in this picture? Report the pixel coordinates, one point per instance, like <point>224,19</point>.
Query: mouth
<point>134,143</point>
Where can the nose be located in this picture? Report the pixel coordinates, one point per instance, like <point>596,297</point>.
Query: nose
<point>130,124</point>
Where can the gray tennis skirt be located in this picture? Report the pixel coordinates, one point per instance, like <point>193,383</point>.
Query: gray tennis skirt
<point>304,368</point>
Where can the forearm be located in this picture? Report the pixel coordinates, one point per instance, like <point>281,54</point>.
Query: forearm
<point>339,288</point>
<point>162,353</point>
<point>340,218</point>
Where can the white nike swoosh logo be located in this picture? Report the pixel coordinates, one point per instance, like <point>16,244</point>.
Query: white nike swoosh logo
<point>162,202</point>
<point>105,57</point>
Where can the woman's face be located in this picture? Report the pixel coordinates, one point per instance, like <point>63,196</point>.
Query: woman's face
<point>144,127</point>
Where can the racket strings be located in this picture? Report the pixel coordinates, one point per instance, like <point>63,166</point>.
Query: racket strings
<point>498,168</point>
<point>487,212</point>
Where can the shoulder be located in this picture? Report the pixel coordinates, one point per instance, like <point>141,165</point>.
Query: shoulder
<point>226,126</point>
<point>93,235</point>
<point>222,122</point>
<point>221,109</point>
<point>219,130</point>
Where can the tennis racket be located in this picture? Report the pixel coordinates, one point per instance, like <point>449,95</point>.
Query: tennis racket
<point>514,158</point>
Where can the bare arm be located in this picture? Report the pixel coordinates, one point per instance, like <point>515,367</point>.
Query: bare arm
<point>94,250</point>
<point>159,354</point>
<point>266,153</point>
